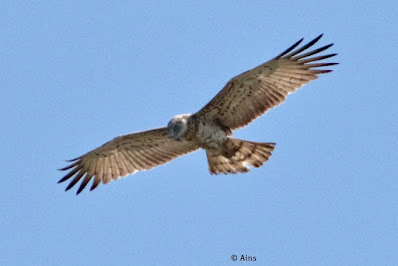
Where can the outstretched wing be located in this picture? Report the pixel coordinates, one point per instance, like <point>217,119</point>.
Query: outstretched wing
<point>125,155</point>
<point>252,93</point>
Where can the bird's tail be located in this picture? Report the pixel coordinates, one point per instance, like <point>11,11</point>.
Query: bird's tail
<point>236,154</point>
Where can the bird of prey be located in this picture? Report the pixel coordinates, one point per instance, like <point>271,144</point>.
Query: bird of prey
<point>244,98</point>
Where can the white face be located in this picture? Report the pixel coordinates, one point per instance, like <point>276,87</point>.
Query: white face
<point>178,126</point>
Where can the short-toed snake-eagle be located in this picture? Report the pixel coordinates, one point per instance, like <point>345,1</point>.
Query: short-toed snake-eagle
<point>244,98</point>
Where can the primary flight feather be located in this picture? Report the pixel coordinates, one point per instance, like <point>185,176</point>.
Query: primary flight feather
<point>243,99</point>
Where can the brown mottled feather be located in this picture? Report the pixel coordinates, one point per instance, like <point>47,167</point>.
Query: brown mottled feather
<point>244,98</point>
<point>125,155</point>
<point>247,153</point>
<point>252,93</point>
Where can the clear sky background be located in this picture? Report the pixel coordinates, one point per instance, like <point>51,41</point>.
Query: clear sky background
<point>75,74</point>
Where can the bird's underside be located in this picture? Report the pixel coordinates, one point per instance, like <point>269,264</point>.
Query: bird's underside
<point>244,98</point>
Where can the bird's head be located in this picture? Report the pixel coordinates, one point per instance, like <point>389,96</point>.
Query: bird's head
<point>178,126</point>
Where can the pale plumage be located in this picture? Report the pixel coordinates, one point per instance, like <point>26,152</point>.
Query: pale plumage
<point>244,98</point>
<point>126,155</point>
<point>252,93</point>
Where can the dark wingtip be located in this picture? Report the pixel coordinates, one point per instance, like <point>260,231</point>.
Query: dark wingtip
<point>328,46</point>
<point>330,64</point>
<point>290,48</point>
<point>317,38</point>
<point>95,184</point>
<point>64,179</point>
<point>68,167</point>
<point>314,40</point>
<point>324,71</point>
<point>328,56</point>
<point>72,160</point>
<point>83,184</point>
<point>69,175</point>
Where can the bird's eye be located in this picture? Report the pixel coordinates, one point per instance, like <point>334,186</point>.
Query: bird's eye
<point>177,127</point>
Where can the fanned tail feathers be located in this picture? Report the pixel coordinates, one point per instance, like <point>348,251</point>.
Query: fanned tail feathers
<point>237,155</point>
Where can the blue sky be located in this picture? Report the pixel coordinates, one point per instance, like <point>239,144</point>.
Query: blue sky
<point>76,74</point>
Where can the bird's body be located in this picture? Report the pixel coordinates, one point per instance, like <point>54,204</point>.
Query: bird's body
<point>208,134</point>
<point>244,98</point>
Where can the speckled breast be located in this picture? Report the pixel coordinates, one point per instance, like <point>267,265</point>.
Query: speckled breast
<point>210,135</point>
